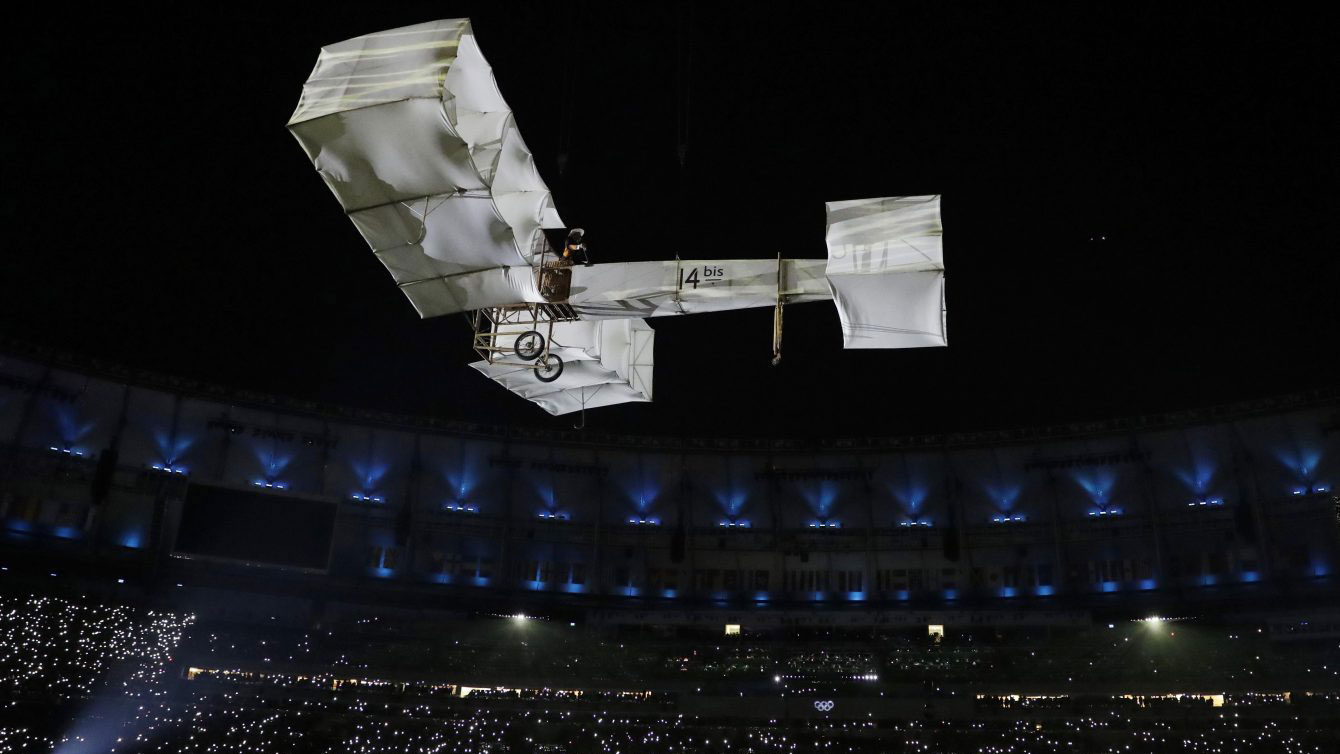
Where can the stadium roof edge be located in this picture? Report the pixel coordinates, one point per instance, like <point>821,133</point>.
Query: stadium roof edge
<point>148,379</point>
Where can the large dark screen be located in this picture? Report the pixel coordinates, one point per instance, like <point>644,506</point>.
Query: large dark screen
<point>256,527</point>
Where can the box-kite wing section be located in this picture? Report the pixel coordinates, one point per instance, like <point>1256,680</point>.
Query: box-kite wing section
<point>408,129</point>
<point>886,270</point>
<point>605,362</point>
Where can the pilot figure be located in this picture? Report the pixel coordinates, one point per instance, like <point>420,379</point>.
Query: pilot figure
<point>574,249</point>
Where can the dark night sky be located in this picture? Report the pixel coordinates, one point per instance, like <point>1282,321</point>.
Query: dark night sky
<point>159,214</point>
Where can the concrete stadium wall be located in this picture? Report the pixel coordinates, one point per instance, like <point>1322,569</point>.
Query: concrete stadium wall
<point>1241,501</point>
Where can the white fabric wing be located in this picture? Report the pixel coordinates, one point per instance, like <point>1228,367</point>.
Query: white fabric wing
<point>886,270</point>
<point>410,132</point>
<point>604,362</point>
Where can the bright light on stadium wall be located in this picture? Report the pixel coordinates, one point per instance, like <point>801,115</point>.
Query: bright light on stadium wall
<point>910,499</point>
<point>1198,478</point>
<point>821,498</point>
<point>273,463</point>
<point>171,449</point>
<point>1300,460</point>
<point>71,431</point>
<point>730,502</point>
<point>1005,497</point>
<point>1097,484</point>
<point>369,473</point>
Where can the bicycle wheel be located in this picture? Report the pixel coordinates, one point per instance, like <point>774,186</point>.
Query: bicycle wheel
<point>549,368</point>
<point>529,345</point>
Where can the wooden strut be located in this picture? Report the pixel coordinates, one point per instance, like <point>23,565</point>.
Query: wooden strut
<point>679,283</point>
<point>582,424</point>
<point>777,318</point>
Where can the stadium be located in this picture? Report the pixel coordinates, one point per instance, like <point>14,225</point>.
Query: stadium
<point>239,513</point>
<point>281,570</point>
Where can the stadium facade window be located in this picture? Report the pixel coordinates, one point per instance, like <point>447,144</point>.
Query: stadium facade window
<point>807,581</point>
<point>1044,574</point>
<point>761,579</point>
<point>850,581</point>
<point>662,578</point>
<point>383,557</point>
<point>537,570</point>
<point>705,579</point>
<point>1114,570</point>
<point>916,579</point>
<point>23,508</point>
<point>891,579</point>
<point>855,581</point>
<point>444,563</point>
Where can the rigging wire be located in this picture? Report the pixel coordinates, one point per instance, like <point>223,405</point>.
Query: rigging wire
<point>683,87</point>
<point>567,107</point>
<point>683,78</point>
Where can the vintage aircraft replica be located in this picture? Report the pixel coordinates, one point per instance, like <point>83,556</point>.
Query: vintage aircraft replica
<point>408,129</point>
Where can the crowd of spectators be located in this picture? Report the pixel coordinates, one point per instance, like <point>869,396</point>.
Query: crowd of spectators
<point>79,675</point>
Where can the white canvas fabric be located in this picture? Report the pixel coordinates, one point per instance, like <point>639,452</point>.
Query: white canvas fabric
<point>886,270</point>
<point>655,289</point>
<point>408,129</point>
<point>447,294</point>
<point>605,362</point>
